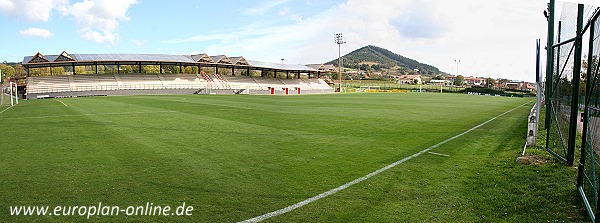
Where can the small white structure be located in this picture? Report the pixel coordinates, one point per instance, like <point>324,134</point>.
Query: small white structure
<point>532,127</point>
<point>439,82</point>
<point>409,79</point>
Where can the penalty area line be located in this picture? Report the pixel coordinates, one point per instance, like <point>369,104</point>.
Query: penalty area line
<point>439,154</point>
<point>62,103</point>
<point>5,109</point>
<point>365,177</point>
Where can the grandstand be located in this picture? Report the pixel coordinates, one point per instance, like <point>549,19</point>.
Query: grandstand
<point>71,84</point>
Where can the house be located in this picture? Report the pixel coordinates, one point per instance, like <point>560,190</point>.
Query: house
<point>440,82</point>
<point>470,80</point>
<point>475,81</point>
<point>409,79</point>
<point>523,86</point>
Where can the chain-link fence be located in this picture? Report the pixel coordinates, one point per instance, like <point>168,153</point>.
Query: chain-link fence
<point>589,164</point>
<point>559,85</point>
<point>573,95</point>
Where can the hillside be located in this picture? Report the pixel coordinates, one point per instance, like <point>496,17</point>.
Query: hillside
<point>373,58</point>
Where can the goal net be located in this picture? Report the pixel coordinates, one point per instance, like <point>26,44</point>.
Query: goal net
<point>5,96</point>
<point>369,88</point>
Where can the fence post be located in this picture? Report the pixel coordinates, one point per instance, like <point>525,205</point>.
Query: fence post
<point>576,85</point>
<point>549,63</point>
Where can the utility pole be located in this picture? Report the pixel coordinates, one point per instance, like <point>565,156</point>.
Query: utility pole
<point>339,42</point>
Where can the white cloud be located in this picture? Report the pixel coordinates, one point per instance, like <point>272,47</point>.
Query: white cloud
<point>98,20</point>
<point>493,39</point>
<point>490,38</point>
<point>284,11</point>
<point>264,6</point>
<point>416,22</point>
<point>36,32</point>
<point>296,18</point>
<point>32,10</point>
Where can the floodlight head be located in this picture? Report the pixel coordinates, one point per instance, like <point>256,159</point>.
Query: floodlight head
<point>338,38</point>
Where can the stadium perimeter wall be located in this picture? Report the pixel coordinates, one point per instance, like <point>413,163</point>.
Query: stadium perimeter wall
<point>69,94</point>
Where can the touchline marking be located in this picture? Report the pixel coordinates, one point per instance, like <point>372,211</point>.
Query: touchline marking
<point>62,103</point>
<point>439,154</point>
<point>358,180</point>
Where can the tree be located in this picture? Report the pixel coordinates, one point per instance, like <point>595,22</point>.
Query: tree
<point>376,67</point>
<point>58,71</point>
<point>225,71</point>
<point>190,69</point>
<point>490,82</point>
<point>126,69</point>
<point>585,76</point>
<point>459,80</point>
<point>151,69</point>
<point>565,87</point>
<point>20,71</point>
<point>439,77</point>
<point>7,70</point>
<point>365,67</point>
<point>110,69</point>
<point>79,70</point>
<point>101,69</point>
<point>38,71</point>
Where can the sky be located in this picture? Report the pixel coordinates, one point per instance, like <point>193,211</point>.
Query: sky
<point>490,38</point>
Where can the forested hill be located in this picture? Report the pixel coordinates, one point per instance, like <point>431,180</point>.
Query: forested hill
<point>379,58</point>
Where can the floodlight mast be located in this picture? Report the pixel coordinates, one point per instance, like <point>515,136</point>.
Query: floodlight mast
<point>457,62</point>
<point>339,42</point>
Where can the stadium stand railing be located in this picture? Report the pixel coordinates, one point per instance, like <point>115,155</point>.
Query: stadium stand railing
<point>222,84</point>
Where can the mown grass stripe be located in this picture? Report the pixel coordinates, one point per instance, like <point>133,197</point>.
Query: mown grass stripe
<point>98,114</point>
<point>363,178</point>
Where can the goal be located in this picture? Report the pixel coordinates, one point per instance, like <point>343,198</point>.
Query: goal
<point>8,97</point>
<point>368,88</point>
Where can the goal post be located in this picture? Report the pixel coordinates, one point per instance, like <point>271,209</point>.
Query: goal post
<point>11,94</point>
<point>2,97</point>
<point>8,95</point>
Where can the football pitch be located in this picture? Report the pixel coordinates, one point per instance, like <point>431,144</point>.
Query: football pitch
<point>236,157</point>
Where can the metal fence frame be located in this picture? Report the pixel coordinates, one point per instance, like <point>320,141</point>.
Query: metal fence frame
<point>588,179</point>
<point>567,151</point>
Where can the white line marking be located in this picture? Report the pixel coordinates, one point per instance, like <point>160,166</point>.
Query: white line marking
<point>120,113</point>
<point>358,180</point>
<point>5,109</point>
<point>62,103</point>
<point>439,154</point>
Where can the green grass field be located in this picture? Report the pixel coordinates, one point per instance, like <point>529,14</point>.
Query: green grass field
<point>236,157</point>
